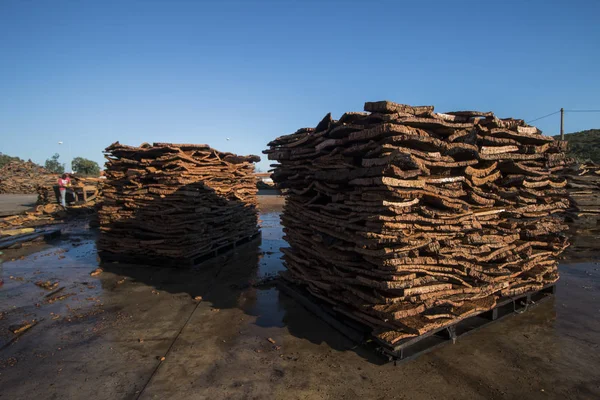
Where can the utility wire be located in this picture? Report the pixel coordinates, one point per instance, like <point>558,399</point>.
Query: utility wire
<point>556,112</point>
<point>545,116</point>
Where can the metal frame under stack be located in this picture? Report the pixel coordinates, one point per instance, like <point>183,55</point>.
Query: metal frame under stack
<point>175,204</point>
<point>408,221</point>
<point>413,347</point>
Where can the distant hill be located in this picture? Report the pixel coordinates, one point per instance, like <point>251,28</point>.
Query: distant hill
<point>584,145</point>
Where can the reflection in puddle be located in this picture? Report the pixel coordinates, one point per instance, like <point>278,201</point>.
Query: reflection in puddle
<point>272,241</point>
<point>264,302</point>
<point>264,305</point>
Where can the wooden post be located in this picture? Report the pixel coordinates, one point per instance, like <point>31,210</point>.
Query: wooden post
<point>562,119</point>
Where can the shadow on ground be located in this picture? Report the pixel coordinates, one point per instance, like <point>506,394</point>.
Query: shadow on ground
<point>236,279</point>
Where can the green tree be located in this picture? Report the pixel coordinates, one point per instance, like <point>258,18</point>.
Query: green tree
<point>84,166</point>
<point>54,166</point>
<point>6,159</point>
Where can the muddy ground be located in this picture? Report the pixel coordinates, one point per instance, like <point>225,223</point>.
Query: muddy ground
<point>105,336</point>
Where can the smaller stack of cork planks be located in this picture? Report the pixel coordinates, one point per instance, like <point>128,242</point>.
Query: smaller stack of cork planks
<point>583,184</point>
<point>584,188</point>
<point>172,204</point>
<point>408,220</point>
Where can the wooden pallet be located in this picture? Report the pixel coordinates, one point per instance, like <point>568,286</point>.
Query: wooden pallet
<point>107,256</point>
<point>411,348</point>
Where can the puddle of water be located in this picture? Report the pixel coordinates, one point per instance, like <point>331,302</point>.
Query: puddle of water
<point>263,304</point>
<point>67,263</point>
<point>272,241</point>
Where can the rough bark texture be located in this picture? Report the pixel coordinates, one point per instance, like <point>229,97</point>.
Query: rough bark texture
<point>407,220</point>
<point>41,215</point>
<point>584,188</point>
<point>169,203</point>
<point>19,177</point>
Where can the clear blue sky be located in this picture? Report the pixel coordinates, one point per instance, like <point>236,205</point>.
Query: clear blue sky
<point>90,73</point>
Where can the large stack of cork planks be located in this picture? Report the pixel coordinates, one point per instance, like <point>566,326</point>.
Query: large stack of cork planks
<point>23,177</point>
<point>408,220</point>
<point>171,204</point>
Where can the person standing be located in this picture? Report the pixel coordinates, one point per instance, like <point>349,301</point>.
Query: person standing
<point>63,183</point>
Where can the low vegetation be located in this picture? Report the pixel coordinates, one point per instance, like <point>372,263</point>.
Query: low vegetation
<point>584,145</point>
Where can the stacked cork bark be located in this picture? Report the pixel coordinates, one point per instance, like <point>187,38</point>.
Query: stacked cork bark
<point>24,177</point>
<point>171,204</point>
<point>584,188</point>
<point>408,220</point>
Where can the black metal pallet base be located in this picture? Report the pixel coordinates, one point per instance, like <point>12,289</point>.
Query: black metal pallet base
<point>107,256</point>
<point>411,348</point>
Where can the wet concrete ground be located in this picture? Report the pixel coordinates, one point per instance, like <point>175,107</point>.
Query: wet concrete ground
<point>106,337</point>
